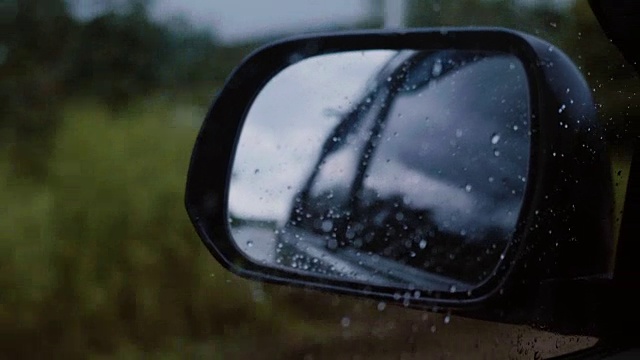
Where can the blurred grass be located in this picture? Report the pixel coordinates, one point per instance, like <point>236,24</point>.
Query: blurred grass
<point>100,261</point>
<point>101,255</point>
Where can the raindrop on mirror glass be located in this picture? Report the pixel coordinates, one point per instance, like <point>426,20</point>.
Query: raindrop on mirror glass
<point>249,243</point>
<point>496,152</point>
<point>382,305</point>
<point>327,225</point>
<point>495,138</point>
<point>437,68</point>
<point>467,188</point>
<point>447,318</point>
<point>422,244</point>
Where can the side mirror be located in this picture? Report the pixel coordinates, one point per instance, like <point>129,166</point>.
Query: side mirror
<point>455,169</point>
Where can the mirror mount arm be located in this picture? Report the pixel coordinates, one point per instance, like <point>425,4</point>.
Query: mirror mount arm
<point>628,249</point>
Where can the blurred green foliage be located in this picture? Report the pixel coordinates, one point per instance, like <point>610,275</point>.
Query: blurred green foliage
<point>47,56</point>
<point>97,257</point>
<point>102,257</point>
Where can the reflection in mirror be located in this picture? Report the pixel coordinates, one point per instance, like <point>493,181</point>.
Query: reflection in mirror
<point>393,168</point>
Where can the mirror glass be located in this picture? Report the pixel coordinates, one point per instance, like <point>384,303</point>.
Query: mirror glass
<point>394,168</point>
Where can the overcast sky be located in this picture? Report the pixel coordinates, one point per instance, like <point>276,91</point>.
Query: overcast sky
<point>241,19</point>
<point>238,20</point>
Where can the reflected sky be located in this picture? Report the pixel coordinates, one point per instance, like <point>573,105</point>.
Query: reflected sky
<point>288,123</point>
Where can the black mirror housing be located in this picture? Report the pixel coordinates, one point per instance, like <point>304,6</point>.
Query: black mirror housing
<point>564,229</point>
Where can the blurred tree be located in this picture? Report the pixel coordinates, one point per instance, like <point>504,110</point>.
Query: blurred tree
<point>124,53</point>
<point>118,54</point>
<point>192,55</point>
<point>33,37</point>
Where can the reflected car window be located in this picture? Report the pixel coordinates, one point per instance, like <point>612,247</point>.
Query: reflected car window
<point>444,143</point>
<point>453,156</point>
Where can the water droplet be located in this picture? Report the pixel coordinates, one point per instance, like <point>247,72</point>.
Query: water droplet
<point>496,152</point>
<point>382,305</point>
<point>515,127</point>
<point>327,225</point>
<point>467,188</point>
<point>512,66</point>
<point>345,322</point>
<point>422,244</point>
<point>332,244</point>
<point>433,328</point>
<point>495,138</point>
<point>491,179</point>
<point>561,109</point>
<point>447,319</point>
<point>553,24</point>
<point>249,243</point>
<point>437,68</point>
<point>458,133</point>
<point>452,288</point>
